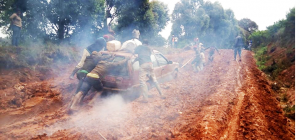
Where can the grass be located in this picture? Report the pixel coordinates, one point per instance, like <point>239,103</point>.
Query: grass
<point>260,56</point>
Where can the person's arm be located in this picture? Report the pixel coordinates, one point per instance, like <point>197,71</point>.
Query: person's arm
<point>116,64</point>
<point>85,54</point>
<point>122,62</point>
<point>206,48</point>
<point>136,58</point>
<point>102,57</point>
<point>12,16</point>
<point>98,56</point>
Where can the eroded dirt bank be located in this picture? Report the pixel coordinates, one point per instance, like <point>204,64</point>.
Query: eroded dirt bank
<point>227,100</point>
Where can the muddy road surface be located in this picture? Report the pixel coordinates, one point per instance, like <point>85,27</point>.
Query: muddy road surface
<point>227,100</point>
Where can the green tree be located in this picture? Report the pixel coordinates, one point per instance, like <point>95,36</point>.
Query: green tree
<point>290,24</point>
<point>148,17</point>
<point>208,21</point>
<point>76,17</point>
<point>248,25</point>
<point>281,31</point>
<point>8,7</point>
<point>57,19</point>
<point>33,19</point>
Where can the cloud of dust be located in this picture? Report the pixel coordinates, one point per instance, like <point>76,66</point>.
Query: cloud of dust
<point>105,115</point>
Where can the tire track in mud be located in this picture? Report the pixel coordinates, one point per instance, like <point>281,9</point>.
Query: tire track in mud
<point>233,125</point>
<point>212,114</point>
<point>261,116</point>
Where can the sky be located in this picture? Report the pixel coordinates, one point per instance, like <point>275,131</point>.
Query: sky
<point>263,12</point>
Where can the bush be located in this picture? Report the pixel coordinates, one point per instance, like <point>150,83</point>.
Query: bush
<point>260,57</point>
<point>289,111</point>
<point>259,38</point>
<point>36,54</point>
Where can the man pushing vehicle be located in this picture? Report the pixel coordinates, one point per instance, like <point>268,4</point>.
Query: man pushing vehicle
<point>94,78</point>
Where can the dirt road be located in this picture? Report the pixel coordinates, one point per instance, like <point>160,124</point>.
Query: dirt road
<point>227,100</point>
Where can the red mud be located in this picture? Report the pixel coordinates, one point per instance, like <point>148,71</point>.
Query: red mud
<point>227,100</point>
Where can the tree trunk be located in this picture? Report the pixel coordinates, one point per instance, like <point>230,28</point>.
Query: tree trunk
<point>61,30</point>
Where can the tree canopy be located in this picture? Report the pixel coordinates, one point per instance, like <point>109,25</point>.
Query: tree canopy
<point>74,20</point>
<point>280,31</point>
<point>148,17</point>
<point>248,25</point>
<point>208,21</point>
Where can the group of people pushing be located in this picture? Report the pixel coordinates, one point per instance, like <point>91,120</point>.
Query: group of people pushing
<point>94,66</point>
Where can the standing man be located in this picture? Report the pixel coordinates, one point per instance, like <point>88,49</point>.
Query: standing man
<point>173,40</point>
<point>99,44</point>
<point>131,44</point>
<point>16,26</point>
<point>199,60</point>
<point>146,68</point>
<point>238,45</point>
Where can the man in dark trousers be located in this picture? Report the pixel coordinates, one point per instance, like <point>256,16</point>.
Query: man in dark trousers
<point>16,26</point>
<point>238,45</point>
<point>94,78</point>
<point>199,59</point>
<point>146,68</point>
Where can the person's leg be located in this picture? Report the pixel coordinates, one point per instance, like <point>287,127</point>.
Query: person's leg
<point>18,33</point>
<point>194,67</point>
<point>240,53</point>
<point>200,66</point>
<point>90,80</point>
<point>84,89</point>
<point>211,58</point>
<point>80,77</point>
<point>97,84</point>
<point>142,79</point>
<point>153,77</point>
<point>235,51</point>
<point>14,36</point>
